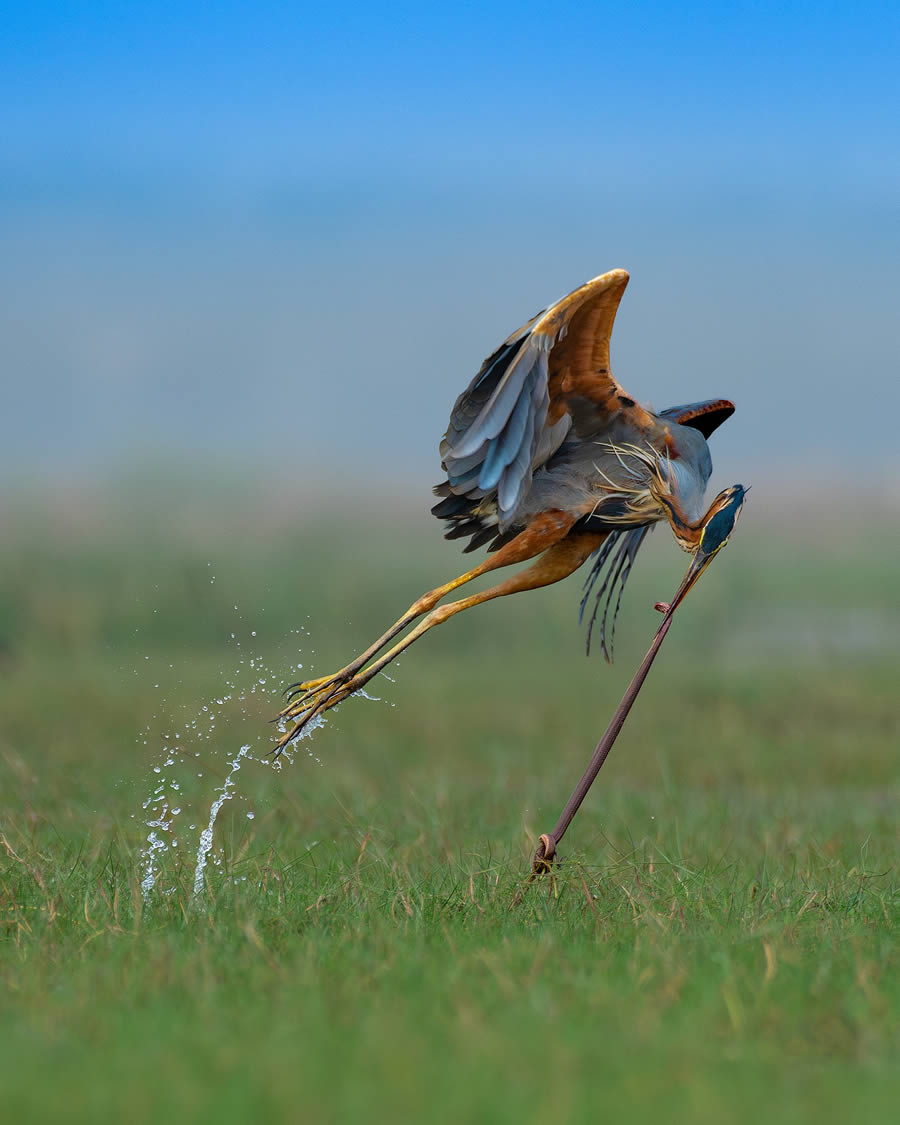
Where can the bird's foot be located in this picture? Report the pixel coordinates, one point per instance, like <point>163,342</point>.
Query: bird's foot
<point>306,689</point>
<point>309,707</point>
<point>318,697</point>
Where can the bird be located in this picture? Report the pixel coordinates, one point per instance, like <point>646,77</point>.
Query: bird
<point>548,460</point>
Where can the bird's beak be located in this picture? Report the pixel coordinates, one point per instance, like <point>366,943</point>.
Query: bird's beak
<point>699,563</point>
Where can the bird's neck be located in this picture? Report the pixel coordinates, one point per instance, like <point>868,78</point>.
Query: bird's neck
<point>685,531</point>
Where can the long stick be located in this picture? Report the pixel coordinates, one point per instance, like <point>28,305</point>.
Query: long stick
<point>547,844</point>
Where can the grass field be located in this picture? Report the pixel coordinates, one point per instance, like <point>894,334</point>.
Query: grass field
<point>718,945</point>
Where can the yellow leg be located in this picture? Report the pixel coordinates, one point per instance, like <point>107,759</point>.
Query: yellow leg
<point>543,533</point>
<point>558,562</point>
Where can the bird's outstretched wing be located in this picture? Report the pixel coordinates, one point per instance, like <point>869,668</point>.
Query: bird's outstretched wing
<point>520,406</point>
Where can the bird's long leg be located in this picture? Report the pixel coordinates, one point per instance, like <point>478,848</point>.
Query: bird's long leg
<point>546,530</point>
<point>557,562</point>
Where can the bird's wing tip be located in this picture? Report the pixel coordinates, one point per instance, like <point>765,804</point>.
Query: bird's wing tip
<point>611,276</point>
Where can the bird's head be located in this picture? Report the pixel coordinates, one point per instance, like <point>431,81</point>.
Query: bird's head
<point>719,521</point>
<point>718,524</point>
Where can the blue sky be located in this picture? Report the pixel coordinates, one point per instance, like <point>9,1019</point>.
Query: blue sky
<point>213,215</point>
<point>257,92</point>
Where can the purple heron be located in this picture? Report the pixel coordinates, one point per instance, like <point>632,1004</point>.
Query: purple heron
<point>547,458</point>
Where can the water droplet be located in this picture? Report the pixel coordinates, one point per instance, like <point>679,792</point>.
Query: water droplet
<point>251,815</point>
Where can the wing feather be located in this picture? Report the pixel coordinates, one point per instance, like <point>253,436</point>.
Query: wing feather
<point>527,396</point>
<point>495,413</point>
<point>503,451</point>
<point>703,416</point>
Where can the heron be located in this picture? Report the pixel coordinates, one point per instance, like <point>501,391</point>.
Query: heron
<point>549,460</point>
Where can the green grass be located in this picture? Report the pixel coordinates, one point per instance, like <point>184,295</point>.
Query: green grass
<point>718,945</point>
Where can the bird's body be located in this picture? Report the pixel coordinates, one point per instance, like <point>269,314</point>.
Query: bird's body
<point>608,481</point>
<point>548,458</point>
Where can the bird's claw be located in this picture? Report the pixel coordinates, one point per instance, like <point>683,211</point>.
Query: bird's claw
<point>318,697</point>
<point>307,687</point>
<point>299,695</point>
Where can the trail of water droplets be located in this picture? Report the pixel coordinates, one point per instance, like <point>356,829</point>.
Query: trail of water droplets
<point>176,753</point>
<point>161,802</point>
<point>206,836</point>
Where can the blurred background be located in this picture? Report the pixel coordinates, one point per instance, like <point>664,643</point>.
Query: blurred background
<point>279,240</point>
<point>248,259</point>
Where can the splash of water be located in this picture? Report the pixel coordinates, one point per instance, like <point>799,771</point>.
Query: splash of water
<point>162,800</point>
<point>154,846</point>
<point>158,842</point>
<point>167,793</point>
<point>206,836</point>
<point>287,754</point>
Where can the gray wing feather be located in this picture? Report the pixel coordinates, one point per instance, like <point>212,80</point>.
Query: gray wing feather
<point>497,424</point>
<point>463,464</point>
<point>517,477</point>
<point>495,413</point>
<point>470,403</point>
<point>502,451</point>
